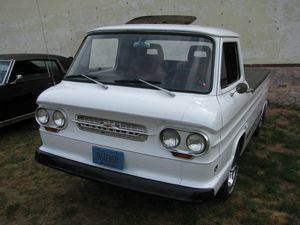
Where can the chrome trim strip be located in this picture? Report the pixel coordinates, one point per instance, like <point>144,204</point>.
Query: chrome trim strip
<point>108,129</point>
<point>16,119</point>
<point>118,129</point>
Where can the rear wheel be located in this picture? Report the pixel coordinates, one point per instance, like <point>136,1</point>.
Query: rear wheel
<point>260,123</point>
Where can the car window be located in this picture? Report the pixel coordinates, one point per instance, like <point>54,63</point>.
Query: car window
<point>176,62</point>
<point>230,71</point>
<point>34,69</point>
<point>179,50</point>
<point>103,54</point>
<point>3,69</point>
<point>51,64</point>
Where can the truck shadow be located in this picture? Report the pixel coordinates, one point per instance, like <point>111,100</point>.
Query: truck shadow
<point>120,205</point>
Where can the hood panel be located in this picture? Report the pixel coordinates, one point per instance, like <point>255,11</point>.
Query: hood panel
<point>194,109</point>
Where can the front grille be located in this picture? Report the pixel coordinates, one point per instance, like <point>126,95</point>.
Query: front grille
<point>112,128</point>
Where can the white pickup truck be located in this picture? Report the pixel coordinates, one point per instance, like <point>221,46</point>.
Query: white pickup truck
<point>158,108</point>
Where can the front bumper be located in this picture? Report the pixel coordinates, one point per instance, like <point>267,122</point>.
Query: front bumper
<point>123,180</point>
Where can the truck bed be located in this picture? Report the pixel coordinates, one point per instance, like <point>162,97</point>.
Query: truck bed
<point>255,76</point>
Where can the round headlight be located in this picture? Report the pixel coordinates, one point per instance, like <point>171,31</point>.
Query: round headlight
<point>170,138</point>
<point>197,143</point>
<point>59,118</point>
<point>42,116</point>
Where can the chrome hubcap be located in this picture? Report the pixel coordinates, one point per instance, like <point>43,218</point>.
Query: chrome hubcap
<point>260,121</point>
<point>232,176</point>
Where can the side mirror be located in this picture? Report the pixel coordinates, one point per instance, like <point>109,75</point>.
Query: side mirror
<point>241,88</point>
<point>19,77</point>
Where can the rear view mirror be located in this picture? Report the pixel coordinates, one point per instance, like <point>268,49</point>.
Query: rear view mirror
<point>141,44</point>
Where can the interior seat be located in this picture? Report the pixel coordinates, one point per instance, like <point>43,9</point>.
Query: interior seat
<point>147,63</point>
<point>192,74</point>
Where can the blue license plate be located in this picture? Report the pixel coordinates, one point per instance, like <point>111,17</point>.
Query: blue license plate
<point>107,157</point>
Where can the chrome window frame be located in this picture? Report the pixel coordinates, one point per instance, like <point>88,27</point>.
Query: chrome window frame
<point>8,72</point>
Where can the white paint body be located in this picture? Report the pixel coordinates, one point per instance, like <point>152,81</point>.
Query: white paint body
<point>224,119</point>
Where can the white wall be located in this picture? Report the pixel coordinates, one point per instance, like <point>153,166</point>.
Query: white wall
<point>269,29</point>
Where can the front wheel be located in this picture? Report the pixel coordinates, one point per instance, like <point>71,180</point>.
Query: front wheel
<point>229,184</point>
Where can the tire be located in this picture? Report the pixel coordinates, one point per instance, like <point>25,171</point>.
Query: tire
<point>229,184</point>
<point>260,123</point>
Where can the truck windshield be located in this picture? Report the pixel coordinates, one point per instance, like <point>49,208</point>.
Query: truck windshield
<point>174,62</point>
<point>4,64</point>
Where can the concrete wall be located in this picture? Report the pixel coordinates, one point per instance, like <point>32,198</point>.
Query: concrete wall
<point>269,29</point>
<point>285,86</point>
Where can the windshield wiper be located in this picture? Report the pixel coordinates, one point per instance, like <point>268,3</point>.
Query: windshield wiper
<point>149,83</point>
<point>159,88</point>
<point>136,81</point>
<point>88,78</point>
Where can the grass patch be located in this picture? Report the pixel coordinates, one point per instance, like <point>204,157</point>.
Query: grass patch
<point>267,191</point>
<point>10,210</point>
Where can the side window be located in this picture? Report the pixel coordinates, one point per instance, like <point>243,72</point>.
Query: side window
<point>4,65</point>
<point>34,69</point>
<point>230,71</point>
<point>53,67</point>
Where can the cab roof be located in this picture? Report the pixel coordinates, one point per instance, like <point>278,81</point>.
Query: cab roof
<point>28,56</point>
<point>193,29</point>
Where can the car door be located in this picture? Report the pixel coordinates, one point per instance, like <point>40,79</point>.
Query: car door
<point>233,105</point>
<point>5,68</point>
<point>21,95</point>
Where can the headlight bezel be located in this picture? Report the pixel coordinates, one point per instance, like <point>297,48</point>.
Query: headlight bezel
<point>59,126</point>
<point>183,147</point>
<point>170,130</point>
<point>205,143</point>
<point>37,116</point>
<point>51,124</point>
